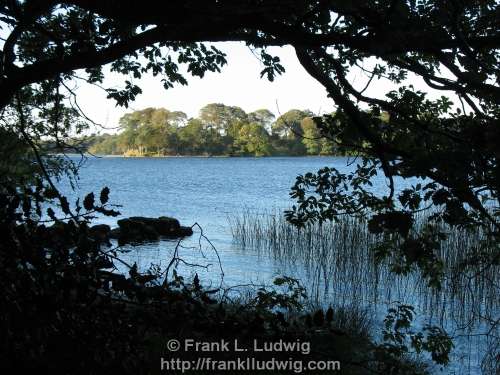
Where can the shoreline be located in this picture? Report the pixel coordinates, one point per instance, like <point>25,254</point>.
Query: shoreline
<point>201,156</point>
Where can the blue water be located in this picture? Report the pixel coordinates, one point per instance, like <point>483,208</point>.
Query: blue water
<point>202,190</point>
<point>205,191</point>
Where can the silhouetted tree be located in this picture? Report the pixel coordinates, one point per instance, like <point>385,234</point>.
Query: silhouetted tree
<point>455,149</point>
<point>453,46</point>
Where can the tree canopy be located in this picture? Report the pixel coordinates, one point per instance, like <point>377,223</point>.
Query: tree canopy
<point>452,46</point>
<point>219,130</point>
<point>449,143</point>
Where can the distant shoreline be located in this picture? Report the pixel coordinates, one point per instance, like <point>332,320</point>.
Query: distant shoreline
<point>201,156</point>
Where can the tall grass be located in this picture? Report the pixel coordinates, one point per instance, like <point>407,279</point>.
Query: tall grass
<point>336,261</point>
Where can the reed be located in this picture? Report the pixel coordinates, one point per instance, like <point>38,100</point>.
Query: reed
<point>336,262</point>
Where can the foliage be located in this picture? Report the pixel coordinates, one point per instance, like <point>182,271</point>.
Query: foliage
<point>292,298</point>
<point>73,296</point>
<point>399,336</point>
<point>219,130</point>
<point>16,164</point>
<point>338,259</point>
<point>315,143</point>
<point>451,145</point>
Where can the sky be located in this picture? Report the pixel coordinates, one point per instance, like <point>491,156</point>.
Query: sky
<point>239,84</point>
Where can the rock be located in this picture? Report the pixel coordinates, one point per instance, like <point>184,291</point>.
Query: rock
<point>142,229</point>
<point>100,232</point>
<point>184,231</point>
<point>134,230</point>
<point>165,226</point>
<point>114,233</point>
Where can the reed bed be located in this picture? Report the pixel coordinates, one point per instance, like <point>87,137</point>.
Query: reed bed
<point>336,262</point>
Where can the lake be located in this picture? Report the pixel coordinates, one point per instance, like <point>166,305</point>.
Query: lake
<point>200,189</point>
<point>213,191</point>
<point>204,191</point>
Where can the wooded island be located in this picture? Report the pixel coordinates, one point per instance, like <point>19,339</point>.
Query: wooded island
<point>218,130</point>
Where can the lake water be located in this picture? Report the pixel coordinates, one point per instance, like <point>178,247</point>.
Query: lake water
<point>208,191</point>
<point>204,191</point>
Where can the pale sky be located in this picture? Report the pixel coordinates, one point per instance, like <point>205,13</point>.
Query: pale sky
<point>239,84</point>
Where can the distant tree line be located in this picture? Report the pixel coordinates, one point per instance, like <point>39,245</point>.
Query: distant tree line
<point>219,130</point>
